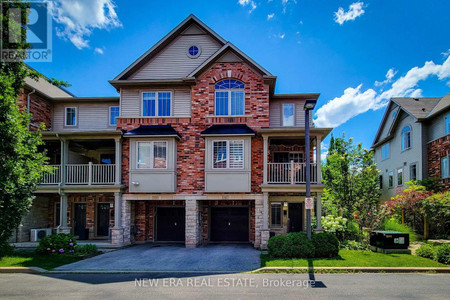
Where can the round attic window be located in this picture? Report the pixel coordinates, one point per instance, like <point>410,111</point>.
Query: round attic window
<point>193,51</point>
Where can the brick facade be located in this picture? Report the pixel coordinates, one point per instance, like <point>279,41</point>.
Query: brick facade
<point>40,109</point>
<point>191,147</point>
<point>436,150</point>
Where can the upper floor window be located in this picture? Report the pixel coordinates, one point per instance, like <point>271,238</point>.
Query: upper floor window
<point>385,151</point>
<point>406,137</point>
<point>114,112</point>
<point>447,124</point>
<point>288,114</point>
<point>228,154</point>
<point>193,51</point>
<point>71,116</point>
<point>230,98</point>
<point>445,166</point>
<point>151,155</point>
<point>156,104</point>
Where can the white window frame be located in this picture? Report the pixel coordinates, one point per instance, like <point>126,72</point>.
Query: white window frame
<point>152,155</point>
<point>157,103</point>
<point>76,116</point>
<point>229,102</point>
<point>281,214</point>
<point>402,137</point>
<point>109,117</point>
<point>293,114</point>
<point>228,154</point>
<point>388,147</point>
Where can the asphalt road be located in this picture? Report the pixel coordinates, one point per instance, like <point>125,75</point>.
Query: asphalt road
<point>225,286</point>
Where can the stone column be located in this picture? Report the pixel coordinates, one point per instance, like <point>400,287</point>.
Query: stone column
<point>117,230</point>
<point>63,228</point>
<point>265,144</point>
<point>262,221</point>
<point>318,213</point>
<point>118,161</point>
<point>193,226</point>
<point>126,221</point>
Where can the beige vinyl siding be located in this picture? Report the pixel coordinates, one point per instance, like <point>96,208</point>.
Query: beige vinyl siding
<point>131,102</point>
<point>90,116</point>
<point>172,62</point>
<point>276,113</point>
<point>387,125</point>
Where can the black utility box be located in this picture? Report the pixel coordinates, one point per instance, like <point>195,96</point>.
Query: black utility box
<point>389,239</point>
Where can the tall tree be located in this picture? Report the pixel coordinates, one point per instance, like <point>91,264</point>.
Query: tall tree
<point>351,179</point>
<point>21,163</point>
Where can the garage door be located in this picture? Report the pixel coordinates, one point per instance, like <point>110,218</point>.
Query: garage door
<point>229,224</point>
<point>170,224</point>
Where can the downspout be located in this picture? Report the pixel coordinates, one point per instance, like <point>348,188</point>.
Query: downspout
<point>29,103</point>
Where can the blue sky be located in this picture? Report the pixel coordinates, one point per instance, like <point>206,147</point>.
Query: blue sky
<point>357,54</point>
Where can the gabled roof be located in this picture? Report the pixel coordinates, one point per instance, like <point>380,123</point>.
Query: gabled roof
<point>229,47</point>
<point>442,106</point>
<point>144,58</point>
<point>46,88</point>
<point>419,108</point>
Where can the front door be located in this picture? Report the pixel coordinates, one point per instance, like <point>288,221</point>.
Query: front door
<point>295,217</point>
<point>103,219</point>
<point>170,224</point>
<point>80,221</point>
<point>229,224</point>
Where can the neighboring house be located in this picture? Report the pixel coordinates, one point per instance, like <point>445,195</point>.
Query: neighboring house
<point>197,149</point>
<point>413,143</point>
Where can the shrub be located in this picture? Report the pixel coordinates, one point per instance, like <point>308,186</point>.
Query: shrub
<point>325,245</point>
<point>427,251</point>
<point>393,225</point>
<point>6,249</point>
<point>443,254</point>
<point>86,249</point>
<point>276,246</point>
<point>336,225</point>
<point>353,245</point>
<point>298,245</point>
<point>60,243</point>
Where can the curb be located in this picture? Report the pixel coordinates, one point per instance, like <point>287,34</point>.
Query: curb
<point>353,269</point>
<point>144,272</point>
<point>26,270</point>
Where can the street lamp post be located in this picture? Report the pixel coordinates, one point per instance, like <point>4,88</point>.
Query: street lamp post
<point>309,105</point>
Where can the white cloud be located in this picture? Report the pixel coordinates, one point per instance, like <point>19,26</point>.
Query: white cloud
<point>281,35</point>
<point>389,75</point>
<point>98,50</point>
<point>77,19</point>
<point>445,54</point>
<point>252,4</point>
<point>354,102</point>
<point>270,16</point>
<point>355,10</point>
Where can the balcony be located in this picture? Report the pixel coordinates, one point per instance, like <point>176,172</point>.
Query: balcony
<point>82,174</point>
<point>290,173</point>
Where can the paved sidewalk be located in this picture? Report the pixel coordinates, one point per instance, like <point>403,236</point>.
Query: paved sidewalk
<point>148,257</point>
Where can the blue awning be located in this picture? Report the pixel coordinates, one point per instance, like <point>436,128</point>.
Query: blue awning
<point>153,131</point>
<point>229,129</point>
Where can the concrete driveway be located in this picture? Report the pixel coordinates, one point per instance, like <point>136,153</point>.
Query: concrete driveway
<point>151,257</point>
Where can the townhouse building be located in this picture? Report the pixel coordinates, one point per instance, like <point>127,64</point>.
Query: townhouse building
<point>197,148</point>
<point>413,143</point>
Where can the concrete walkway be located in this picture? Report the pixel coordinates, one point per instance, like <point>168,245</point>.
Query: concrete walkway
<point>150,257</point>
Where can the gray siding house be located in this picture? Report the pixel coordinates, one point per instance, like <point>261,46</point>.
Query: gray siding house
<point>403,143</point>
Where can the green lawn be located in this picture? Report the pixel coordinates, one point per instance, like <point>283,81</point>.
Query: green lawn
<point>31,259</point>
<point>353,258</point>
